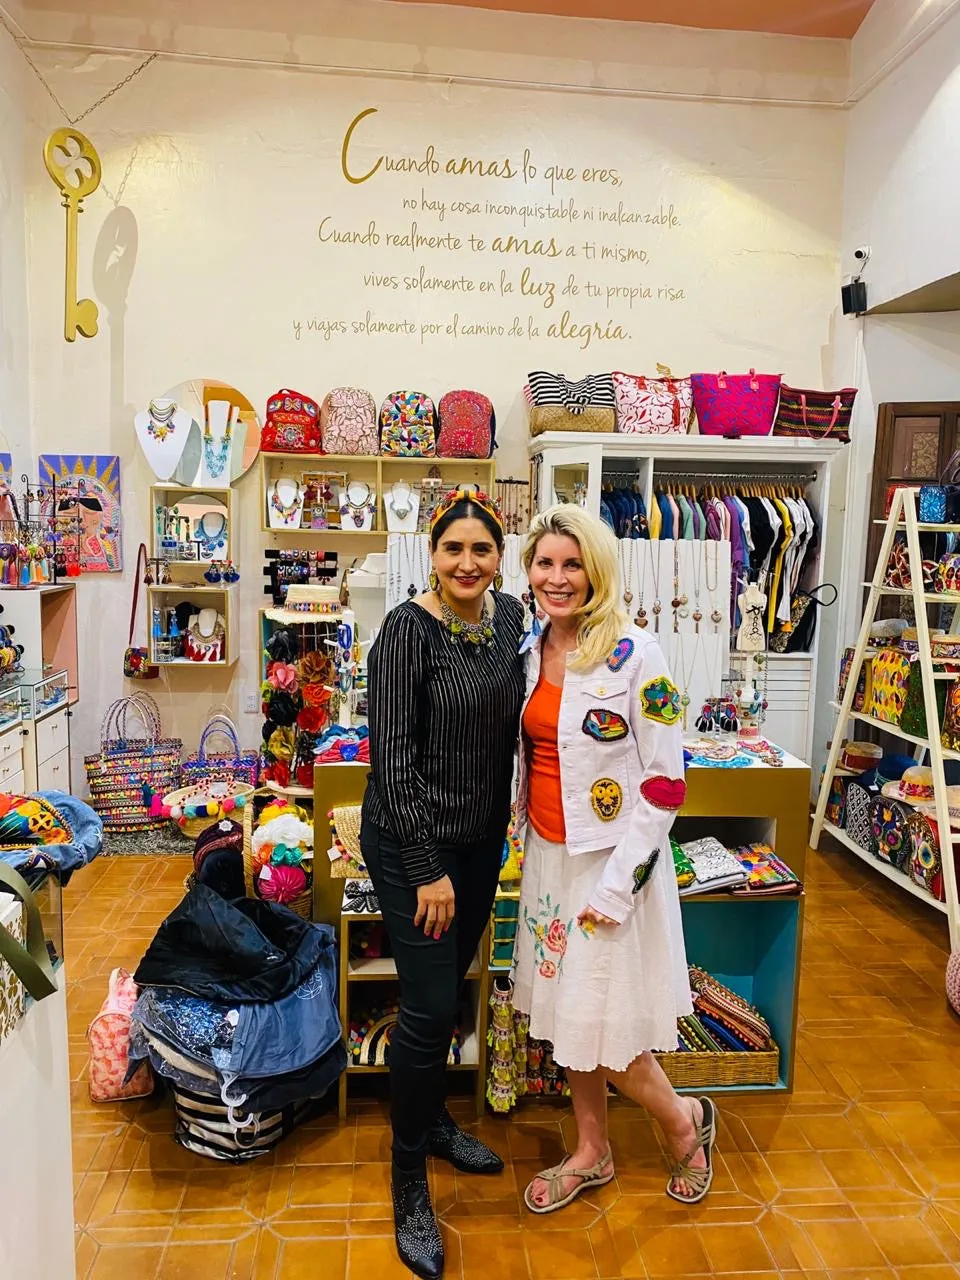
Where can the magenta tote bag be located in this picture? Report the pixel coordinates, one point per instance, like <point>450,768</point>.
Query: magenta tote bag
<point>736,404</point>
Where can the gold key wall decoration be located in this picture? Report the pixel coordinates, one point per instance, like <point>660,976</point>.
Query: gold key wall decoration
<point>73,164</point>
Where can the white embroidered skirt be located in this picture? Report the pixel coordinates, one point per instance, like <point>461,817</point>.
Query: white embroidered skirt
<point>600,998</point>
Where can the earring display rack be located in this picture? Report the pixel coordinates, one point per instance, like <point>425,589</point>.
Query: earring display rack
<point>432,476</point>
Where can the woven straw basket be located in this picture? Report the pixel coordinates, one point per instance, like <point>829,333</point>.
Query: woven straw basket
<point>345,827</point>
<point>194,827</point>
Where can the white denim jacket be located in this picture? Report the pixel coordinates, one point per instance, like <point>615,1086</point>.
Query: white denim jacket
<point>620,744</point>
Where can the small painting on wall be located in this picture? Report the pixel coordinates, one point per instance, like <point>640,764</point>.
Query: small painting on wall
<point>87,501</point>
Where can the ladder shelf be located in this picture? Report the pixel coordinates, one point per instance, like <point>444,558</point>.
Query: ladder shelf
<point>902,517</point>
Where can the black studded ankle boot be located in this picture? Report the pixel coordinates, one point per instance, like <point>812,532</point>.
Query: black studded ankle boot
<point>415,1227</point>
<point>448,1141</point>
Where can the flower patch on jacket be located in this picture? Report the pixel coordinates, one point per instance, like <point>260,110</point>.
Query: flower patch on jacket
<point>663,792</point>
<point>660,701</point>
<point>606,797</point>
<point>604,726</point>
<point>621,652</point>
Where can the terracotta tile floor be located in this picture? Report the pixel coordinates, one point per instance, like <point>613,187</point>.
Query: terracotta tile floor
<point>857,1175</point>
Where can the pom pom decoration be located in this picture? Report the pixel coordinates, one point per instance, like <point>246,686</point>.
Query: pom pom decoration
<point>281,884</point>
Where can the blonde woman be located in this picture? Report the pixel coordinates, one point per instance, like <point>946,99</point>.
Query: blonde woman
<point>600,963</point>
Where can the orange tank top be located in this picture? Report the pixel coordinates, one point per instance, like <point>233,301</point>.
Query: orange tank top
<point>544,796</point>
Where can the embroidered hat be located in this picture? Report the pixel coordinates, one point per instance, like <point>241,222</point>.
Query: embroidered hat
<point>953,808</point>
<point>466,493</point>
<point>915,787</point>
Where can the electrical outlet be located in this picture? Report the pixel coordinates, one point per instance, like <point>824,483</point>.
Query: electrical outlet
<point>251,704</point>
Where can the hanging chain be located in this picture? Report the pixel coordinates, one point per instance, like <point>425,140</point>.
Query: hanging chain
<point>21,43</point>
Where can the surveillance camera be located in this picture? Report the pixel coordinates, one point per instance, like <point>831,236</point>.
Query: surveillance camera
<point>862,254</point>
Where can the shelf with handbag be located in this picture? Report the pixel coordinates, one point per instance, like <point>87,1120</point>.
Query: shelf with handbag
<point>904,828</point>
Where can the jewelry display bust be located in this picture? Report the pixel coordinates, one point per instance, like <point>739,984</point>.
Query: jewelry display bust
<point>358,504</point>
<point>164,430</point>
<point>402,504</point>
<point>285,503</point>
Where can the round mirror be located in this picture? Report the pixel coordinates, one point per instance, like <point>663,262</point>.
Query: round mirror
<point>202,433</point>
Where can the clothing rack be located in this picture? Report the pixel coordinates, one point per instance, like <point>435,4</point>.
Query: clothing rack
<point>751,477</point>
<point>621,478</point>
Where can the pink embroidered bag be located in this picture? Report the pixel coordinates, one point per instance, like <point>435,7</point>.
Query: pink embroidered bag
<point>348,422</point>
<point>736,404</point>
<point>653,406</point>
<point>467,425</point>
<point>109,1039</point>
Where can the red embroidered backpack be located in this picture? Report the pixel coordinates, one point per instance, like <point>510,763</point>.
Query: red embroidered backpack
<point>467,425</point>
<point>292,424</point>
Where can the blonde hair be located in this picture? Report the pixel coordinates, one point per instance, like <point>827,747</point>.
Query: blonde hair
<point>601,620</point>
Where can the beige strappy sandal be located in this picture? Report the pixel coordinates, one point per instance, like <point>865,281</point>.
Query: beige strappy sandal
<point>601,1173</point>
<point>699,1179</point>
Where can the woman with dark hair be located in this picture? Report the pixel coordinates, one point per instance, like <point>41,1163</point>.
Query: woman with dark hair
<point>445,687</point>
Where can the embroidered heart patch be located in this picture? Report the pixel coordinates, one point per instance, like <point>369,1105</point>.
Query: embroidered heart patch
<point>621,652</point>
<point>660,701</point>
<point>663,792</point>
<point>604,726</point>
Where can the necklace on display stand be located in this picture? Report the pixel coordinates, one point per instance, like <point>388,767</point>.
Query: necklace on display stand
<point>160,419</point>
<point>216,454</point>
<point>716,617</point>
<point>356,502</point>
<point>640,617</point>
<point>288,510</point>
<point>622,549</point>
<point>512,565</point>
<point>697,551</point>
<point>678,602</point>
<point>686,676</point>
<point>211,541</point>
<point>403,507</point>
<point>656,608</point>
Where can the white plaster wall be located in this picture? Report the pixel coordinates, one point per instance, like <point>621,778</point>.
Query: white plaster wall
<point>14,343</point>
<point>216,178</point>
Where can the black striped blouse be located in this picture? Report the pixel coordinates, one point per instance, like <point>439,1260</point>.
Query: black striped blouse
<point>443,723</point>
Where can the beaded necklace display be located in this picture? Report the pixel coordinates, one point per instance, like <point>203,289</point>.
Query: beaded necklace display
<point>160,422</point>
<point>469,633</point>
<point>716,617</point>
<point>216,458</point>
<point>678,603</point>
<point>287,511</point>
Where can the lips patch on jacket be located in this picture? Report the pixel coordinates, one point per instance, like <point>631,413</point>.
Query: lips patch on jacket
<point>604,726</point>
<point>663,792</point>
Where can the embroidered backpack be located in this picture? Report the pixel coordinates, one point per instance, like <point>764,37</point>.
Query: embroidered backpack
<point>408,425</point>
<point>923,864</point>
<point>291,424</point>
<point>467,425</point>
<point>348,422</point>
<point>889,819</point>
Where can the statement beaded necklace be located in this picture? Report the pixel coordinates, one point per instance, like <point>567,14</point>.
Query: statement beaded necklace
<point>463,632</point>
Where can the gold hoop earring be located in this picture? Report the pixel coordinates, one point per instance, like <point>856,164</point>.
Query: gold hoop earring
<point>434,581</point>
<point>498,581</point>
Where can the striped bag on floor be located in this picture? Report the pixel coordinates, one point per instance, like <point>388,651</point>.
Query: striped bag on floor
<point>205,1128</point>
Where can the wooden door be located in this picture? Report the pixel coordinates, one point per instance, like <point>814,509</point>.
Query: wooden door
<point>914,444</point>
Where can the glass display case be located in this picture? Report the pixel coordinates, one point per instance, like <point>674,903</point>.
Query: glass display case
<point>10,707</point>
<point>42,692</point>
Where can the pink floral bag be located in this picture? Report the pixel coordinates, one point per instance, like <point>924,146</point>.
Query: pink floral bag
<point>653,406</point>
<point>109,1039</point>
<point>736,404</point>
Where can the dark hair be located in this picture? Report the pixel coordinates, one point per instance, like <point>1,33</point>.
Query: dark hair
<point>466,509</point>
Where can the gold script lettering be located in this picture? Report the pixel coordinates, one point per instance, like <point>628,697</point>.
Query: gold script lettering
<point>370,111</point>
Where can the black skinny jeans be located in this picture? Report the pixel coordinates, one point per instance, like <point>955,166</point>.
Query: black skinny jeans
<point>431,973</point>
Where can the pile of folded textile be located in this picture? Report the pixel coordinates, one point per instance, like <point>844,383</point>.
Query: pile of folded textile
<point>722,1021</point>
<point>238,1011</point>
